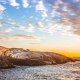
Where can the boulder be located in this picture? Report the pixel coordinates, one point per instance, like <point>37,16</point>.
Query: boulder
<point>32,58</point>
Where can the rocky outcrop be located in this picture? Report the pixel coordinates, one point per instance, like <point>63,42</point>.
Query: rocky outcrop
<point>4,63</point>
<point>76,58</point>
<point>2,49</point>
<point>19,56</point>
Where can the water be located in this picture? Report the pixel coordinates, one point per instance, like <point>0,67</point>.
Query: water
<point>67,71</point>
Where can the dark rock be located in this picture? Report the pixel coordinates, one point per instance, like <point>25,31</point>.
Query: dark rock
<point>4,64</point>
<point>27,50</point>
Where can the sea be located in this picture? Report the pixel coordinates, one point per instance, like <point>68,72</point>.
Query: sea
<point>66,71</point>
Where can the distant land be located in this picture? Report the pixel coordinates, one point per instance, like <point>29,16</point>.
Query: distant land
<point>77,58</point>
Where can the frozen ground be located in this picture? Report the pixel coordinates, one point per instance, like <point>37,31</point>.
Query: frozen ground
<point>67,71</point>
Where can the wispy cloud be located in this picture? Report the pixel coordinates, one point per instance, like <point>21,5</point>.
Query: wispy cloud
<point>34,1</point>
<point>20,37</point>
<point>76,31</point>
<point>3,1</point>
<point>20,27</point>
<point>2,8</point>
<point>25,36</point>
<point>1,38</point>
<point>49,24</point>
<point>6,23</point>
<point>30,28</point>
<point>40,25</point>
<point>5,32</point>
<point>31,16</point>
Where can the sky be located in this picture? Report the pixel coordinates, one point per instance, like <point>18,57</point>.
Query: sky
<point>41,25</point>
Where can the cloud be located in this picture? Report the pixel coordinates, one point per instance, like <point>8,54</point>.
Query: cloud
<point>6,23</point>
<point>22,37</point>
<point>77,0</point>
<point>79,38</point>
<point>49,24</point>
<point>40,7</point>
<point>8,30</point>
<point>25,36</point>
<point>40,25</point>
<point>64,8</point>
<point>35,43</point>
<point>17,7</point>
<point>47,20</point>
<point>23,16</point>
<point>3,1</point>
<point>1,38</point>
<point>20,27</point>
<point>13,3</point>
<point>2,8</point>
<point>10,23</point>
<point>10,19</point>
<point>31,16</point>
<point>30,28</point>
<point>44,14</point>
<point>5,32</point>
<point>51,30</point>
<point>66,13</point>
<point>76,31</point>
<point>34,1</point>
<point>13,38</point>
<point>25,3</point>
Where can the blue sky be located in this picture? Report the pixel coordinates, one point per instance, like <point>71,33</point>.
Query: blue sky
<point>42,25</point>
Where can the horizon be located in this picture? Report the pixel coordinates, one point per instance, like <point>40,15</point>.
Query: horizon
<point>41,25</point>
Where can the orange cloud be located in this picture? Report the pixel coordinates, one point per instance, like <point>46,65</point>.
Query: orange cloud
<point>20,37</point>
<point>35,43</point>
<point>1,38</point>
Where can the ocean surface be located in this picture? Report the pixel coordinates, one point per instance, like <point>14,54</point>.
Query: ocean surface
<point>67,71</point>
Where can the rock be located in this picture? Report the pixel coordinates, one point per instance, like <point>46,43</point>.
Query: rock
<point>76,58</point>
<point>27,50</point>
<point>4,63</point>
<point>2,49</point>
<point>31,58</point>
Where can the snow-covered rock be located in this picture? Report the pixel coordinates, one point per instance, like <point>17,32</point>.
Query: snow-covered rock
<point>20,56</point>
